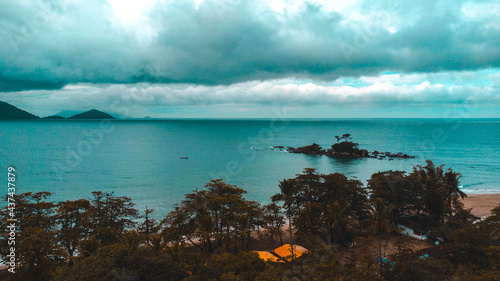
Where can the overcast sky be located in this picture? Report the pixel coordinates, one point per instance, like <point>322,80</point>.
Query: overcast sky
<point>232,58</point>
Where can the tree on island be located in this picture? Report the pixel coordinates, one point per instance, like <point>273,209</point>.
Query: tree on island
<point>345,145</point>
<point>344,137</point>
<point>344,148</point>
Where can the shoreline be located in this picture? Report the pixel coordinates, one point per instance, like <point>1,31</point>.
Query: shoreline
<point>481,204</point>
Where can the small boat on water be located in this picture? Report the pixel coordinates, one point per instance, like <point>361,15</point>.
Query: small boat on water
<point>184,157</point>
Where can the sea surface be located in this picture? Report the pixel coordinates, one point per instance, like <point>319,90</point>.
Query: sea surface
<point>142,158</point>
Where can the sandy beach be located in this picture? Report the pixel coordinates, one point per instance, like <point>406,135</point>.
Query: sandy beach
<point>482,204</point>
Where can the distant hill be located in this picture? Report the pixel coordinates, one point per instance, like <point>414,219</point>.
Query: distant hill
<point>67,113</point>
<point>10,112</point>
<point>92,114</point>
<point>54,117</point>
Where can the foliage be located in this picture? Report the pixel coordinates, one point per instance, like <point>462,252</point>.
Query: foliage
<point>397,190</point>
<point>219,212</point>
<point>428,190</point>
<point>323,205</point>
<point>344,144</point>
<point>227,266</point>
<point>110,216</point>
<point>274,221</point>
<point>149,226</point>
<point>207,236</point>
<point>37,250</point>
<point>438,187</point>
<point>72,216</point>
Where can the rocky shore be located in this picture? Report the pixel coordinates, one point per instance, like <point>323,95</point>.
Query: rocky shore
<point>344,149</point>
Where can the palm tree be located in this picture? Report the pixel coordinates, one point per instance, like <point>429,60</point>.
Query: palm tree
<point>449,189</point>
<point>205,227</point>
<point>90,246</point>
<point>336,217</point>
<point>273,221</point>
<point>133,239</point>
<point>288,188</point>
<point>242,227</point>
<point>380,223</point>
<point>157,242</point>
<point>175,253</point>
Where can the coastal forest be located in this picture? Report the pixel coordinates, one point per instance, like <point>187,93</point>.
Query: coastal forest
<point>349,232</point>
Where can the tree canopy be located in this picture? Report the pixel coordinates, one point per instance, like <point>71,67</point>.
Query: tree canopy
<point>210,234</point>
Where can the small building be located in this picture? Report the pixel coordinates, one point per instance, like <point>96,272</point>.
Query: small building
<point>285,251</point>
<point>417,227</point>
<point>418,234</point>
<point>282,253</point>
<point>267,256</point>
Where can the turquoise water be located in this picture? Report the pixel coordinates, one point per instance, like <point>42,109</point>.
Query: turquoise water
<point>142,159</point>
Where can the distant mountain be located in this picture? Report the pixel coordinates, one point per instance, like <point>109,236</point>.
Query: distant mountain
<point>10,112</point>
<point>54,117</point>
<point>67,113</point>
<point>92,114</point>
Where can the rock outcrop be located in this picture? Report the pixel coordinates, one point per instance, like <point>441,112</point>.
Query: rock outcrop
<point>345,149</point>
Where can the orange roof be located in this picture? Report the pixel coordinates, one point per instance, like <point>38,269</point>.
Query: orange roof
<point>285,251</point>
<point>266,256</point>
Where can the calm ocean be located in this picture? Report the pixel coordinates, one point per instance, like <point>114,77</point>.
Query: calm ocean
<point>142,159</point>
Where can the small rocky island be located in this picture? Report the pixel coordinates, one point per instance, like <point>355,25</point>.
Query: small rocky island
<point>344,148</point>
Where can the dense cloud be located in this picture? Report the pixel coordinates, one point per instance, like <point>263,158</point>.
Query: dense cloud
<point>213,42</point>
<point>478,95</point>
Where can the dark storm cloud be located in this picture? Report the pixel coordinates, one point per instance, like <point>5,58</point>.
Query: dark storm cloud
<point>48,45</point>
